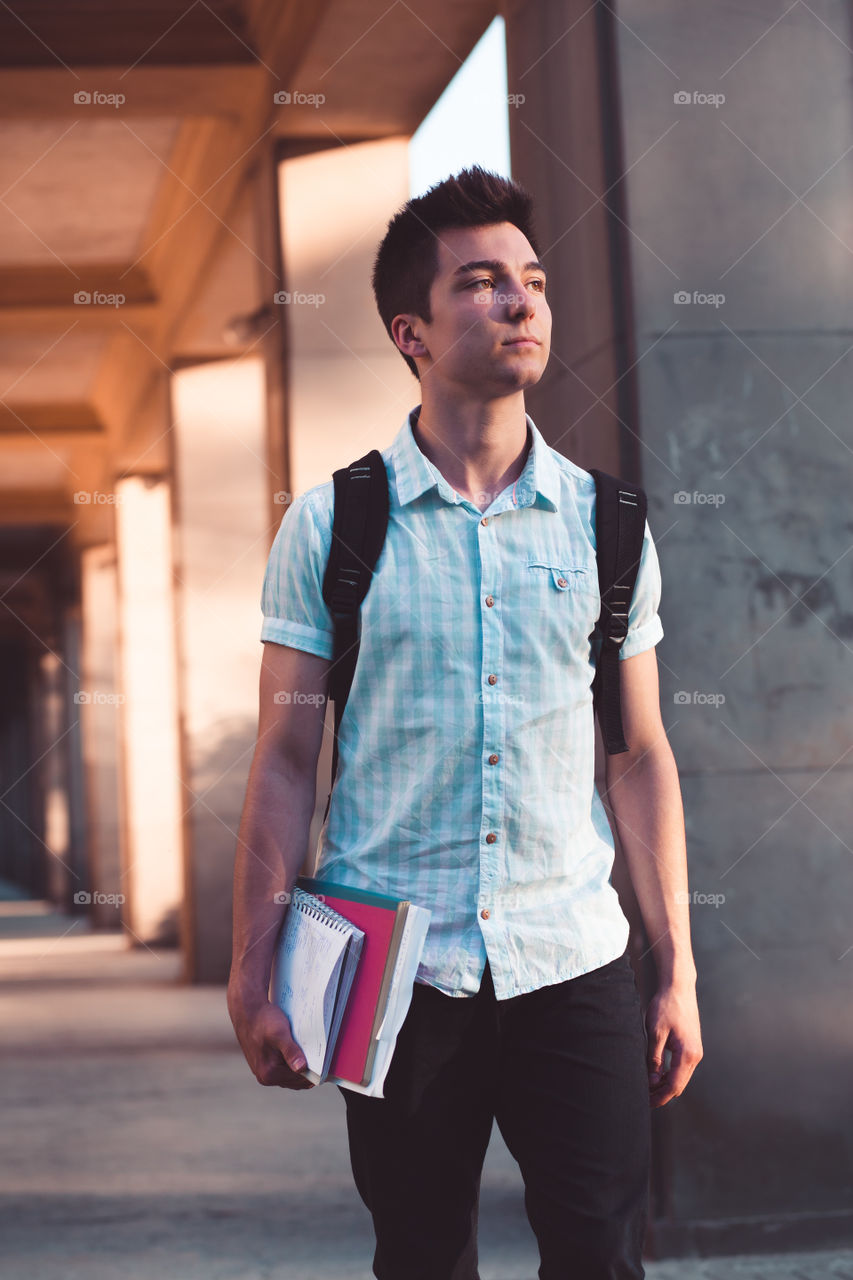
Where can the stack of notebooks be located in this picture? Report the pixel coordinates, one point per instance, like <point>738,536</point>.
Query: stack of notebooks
<point>343,971</point>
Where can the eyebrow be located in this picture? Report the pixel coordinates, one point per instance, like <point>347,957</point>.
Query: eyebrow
<point>494,265</point>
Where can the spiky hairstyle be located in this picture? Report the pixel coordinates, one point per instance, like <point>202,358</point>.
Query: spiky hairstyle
<point>407,259</point>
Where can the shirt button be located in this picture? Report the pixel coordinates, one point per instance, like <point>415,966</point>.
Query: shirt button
<point>485,520</point>
<point>490,600</point>
<point>561,582</point>
<point>491,838</point>
<point>493,679</point>
<point>485,914</point>
<point>493,759</point>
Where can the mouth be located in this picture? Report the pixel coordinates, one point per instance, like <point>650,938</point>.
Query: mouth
<point>523,342</point>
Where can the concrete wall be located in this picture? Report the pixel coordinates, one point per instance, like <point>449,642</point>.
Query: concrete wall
<point>565,150</point>
<point>719,303</point>
<point>564,143</point>
<point>746,449</point>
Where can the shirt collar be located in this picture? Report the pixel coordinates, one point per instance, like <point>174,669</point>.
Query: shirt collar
<point>414,474</point>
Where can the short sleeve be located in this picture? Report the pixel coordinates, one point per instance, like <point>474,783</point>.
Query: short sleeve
<point>645,628</point>
<point>292,603</point>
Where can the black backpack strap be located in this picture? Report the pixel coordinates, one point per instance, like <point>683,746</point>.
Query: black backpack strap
<point>358,535</point>
<point>620,522</point>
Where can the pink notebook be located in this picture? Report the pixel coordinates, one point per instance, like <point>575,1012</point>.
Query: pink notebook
<point>382,918</point>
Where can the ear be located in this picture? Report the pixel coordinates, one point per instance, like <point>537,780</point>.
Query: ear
<point>405,330</point>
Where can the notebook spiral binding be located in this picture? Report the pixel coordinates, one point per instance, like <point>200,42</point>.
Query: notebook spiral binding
<point>308,904</point>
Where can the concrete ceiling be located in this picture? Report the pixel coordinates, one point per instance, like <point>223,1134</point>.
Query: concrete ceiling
<point>133,137</point>
<point>79,192</point>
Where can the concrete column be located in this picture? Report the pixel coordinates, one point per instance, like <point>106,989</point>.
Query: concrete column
<point>739,181</point>
<point>565,150</point>
<point>150,745</point>
<point>565,146</point>
<point>61,883</point>
<point>223,542</point>
<point>349,388</point>
<point>75,775</point>
<point>299,405</point>
<point>99,709</point>
<point>230,466</point>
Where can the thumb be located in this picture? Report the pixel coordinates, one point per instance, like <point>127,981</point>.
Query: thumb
<point>282,1037</point>
<point>292,1054</point>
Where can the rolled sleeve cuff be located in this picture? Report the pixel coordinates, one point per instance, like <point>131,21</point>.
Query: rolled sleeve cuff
<point>298,636</point>
<point>641,638</point>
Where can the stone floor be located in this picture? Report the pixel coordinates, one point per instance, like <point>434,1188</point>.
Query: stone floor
<point>139,1145</point>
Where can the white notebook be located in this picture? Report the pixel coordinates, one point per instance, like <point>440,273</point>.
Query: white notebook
<point>315,960</point>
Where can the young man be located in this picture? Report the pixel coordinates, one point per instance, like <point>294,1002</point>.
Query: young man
<point>465,783</point>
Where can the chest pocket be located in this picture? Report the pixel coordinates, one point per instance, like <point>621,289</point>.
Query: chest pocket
<point>566,601</point>
<point>563,578</point>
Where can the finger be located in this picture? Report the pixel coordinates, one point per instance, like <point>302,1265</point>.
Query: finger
<point>680,1071</point>
<point>302,1084</point>
<point>293,1066</point>
<point>275,1069</point>
<point>664,1092</point>
<point>283,1077</point>
<point>672,1082</point>
<point>657,1038</point>
<point>291,1053</point>
<point>660,1100</point>
<point>295,1059</point>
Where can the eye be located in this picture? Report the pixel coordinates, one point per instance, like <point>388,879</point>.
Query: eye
<point>481,284</point>
<point>540,282</point>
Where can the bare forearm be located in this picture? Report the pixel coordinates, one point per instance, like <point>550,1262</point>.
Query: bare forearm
<point>645,797</point>
<point>271,847</point>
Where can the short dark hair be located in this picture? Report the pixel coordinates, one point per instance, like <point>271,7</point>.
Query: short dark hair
<point>407,259</point>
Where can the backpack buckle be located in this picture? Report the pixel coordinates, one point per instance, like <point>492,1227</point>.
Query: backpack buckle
<point>617,613</point>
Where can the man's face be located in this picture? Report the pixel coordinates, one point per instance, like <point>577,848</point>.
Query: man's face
<point>481,312</point>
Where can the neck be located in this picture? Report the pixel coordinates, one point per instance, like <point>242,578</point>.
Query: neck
<point>479,446</point>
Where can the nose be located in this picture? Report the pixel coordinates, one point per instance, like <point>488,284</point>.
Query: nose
<point>520,302</point>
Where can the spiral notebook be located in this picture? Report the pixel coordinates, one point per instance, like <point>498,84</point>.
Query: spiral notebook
<point>394,930</point>
<point>313,968</point>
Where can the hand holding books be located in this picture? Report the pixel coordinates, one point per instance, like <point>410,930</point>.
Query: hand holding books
<point>313,970</point>
<point>343,973</point>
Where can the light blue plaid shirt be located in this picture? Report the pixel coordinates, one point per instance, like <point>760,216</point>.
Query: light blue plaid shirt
<point>466,753</point>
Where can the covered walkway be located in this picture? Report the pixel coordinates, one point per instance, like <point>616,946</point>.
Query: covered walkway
<point>140,1145</point>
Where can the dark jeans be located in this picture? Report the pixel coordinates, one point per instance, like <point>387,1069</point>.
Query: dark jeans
<point>563,1071</point>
